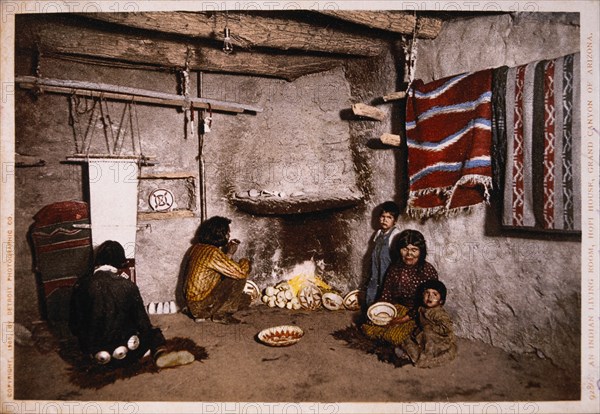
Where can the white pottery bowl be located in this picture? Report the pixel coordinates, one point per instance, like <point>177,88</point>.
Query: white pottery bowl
<point>381,313</point>
<point>332,301</point>
<point>310,297</point>
<point>252,289</point>
<point>351,300</point>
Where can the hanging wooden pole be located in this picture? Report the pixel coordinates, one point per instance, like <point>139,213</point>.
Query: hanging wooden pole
<point>123,93</point>
<point>202,172</point>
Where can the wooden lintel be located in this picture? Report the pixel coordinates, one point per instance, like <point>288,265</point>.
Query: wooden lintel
<point>251,31</point>
<point>55,37</point>
<point>367,111</point>
<point>165,215</point>
<point>402,22</point>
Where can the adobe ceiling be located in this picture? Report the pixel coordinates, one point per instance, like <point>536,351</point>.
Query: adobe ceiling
<point>282,44</point>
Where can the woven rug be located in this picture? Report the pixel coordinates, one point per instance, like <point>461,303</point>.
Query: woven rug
<point>86,374</point>
<point>62,252</point>
<point>448,132</point>
<point>355,339</point>
<point>537,136</point>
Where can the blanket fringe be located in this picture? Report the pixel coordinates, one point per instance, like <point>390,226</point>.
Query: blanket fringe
<point>448,192</point>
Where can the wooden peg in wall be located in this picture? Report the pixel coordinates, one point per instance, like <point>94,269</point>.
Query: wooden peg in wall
<point>367,111</point>
<point>394,96</point>
<point>391,139</point>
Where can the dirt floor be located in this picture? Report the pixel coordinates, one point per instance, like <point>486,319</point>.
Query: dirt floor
<point>317,369</point>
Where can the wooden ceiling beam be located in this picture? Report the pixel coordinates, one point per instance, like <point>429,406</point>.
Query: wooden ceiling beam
<point>402,22</point>
<point>64,39</point>
<point>250,31</point>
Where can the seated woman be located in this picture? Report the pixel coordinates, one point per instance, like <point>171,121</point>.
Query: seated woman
<point>214,286</point>
<point>403,278</point>
<point>109,318</point>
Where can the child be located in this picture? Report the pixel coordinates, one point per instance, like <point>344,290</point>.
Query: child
<point>380,257</point>
<point>433,343</point>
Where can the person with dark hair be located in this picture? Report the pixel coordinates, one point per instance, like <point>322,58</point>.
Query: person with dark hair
<point>433,343</point>
<point>214,285</point>
<point>109,318</point>
<point>381,255</point>
<point>400,288</point>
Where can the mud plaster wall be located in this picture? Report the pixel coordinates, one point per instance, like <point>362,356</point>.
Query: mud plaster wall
<point>521,294</point>
<point>302,141</point>
<point>516,293</point>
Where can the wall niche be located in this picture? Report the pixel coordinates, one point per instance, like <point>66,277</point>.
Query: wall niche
<point>167,195</point>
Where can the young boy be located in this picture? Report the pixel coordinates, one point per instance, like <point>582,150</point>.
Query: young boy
<point>433,343</point>
<point>380,257</point>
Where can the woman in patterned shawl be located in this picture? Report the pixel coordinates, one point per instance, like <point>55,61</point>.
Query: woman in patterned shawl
<point>400,288</point>
<point>214,287</point>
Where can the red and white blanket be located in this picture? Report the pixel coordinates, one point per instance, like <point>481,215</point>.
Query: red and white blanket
<point>540,138</point>
<point>448,131</point>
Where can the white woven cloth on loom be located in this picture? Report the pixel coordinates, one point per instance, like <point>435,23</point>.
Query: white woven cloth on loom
<point>113,201</point>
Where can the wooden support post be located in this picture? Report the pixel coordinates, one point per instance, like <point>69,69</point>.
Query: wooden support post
<point>367,111</point>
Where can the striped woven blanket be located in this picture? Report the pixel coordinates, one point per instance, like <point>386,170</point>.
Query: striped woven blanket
<point>536,142</point>
<point>448,130</point>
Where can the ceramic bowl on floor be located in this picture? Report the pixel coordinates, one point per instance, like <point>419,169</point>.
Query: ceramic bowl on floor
<point>310,297</point>
<point>381,313</point>
<point>351,300</point>
<point>252,289</point>
<point>284,335</point>
<point>332,301</point>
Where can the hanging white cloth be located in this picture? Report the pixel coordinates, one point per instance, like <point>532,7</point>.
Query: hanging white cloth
<point>113,201</point>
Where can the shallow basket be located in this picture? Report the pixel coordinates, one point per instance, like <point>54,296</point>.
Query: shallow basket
<point>284,335</point>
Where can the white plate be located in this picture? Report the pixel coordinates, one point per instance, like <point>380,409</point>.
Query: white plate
<point>381,313</point>
<point>284,335</point>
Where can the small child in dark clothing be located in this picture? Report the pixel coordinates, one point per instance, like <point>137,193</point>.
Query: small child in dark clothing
<point>433,342</point>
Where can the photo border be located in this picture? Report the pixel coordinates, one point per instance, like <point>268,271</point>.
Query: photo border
<point>590,246</point>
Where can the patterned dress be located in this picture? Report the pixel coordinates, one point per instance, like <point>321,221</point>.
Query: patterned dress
<point>400,288</point>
